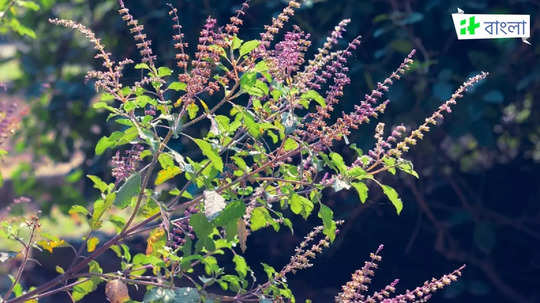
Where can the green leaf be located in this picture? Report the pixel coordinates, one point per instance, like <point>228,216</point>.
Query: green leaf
<point>107,97</point>
<point>165,160</point>
<point>118,222</point>
<point>362,190</point>
<point>130,188</point>
<point>100,207</point>
<point>290,144</point>
<point>98,183</point>
<point>192,109</point>
<point>209,152</point>
<point>301,205</point>
<point>358,173</point>
<point>337,160</point>
<point>390,163</point>
<point>164,71</point>
<point>248,47</point>
<point>99,105</point>
<point>82,289</point>
<point>240,265</point>
<point>251,85</point>
<point>230,214</point>
<point>233,280</point>
<point>177,86</point>
<point>78,209</point>
<point>210,265</point>
<point>115,139</point>
<point>315,96</point>
<point>406,166</point>
<point>259,218</point>
<point>270,271</point>
<point>327,216</point>
<point>202,229</point>
<point>142,66</point>
<point>236,42</point>
<point>167,174</point>
<point>393,197</point>
<point>28,4</point>
<point>143,100</point>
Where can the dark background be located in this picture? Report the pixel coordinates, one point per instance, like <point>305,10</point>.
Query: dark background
<point>476,203</point>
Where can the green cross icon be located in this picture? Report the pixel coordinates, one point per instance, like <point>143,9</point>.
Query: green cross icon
<point>471,28</point>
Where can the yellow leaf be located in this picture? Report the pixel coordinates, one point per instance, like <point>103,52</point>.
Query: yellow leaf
<point>167,173</point>
<point>178,102</point>
<point>50,245</point>
<point>59,269</point>
<point>205,107</point>
<point>157,237</point>
<point>91,244</point>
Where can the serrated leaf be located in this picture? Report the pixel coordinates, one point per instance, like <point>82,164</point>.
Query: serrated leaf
<point>78,209</point>
<point>407,167</point>
<point>327,216</point>
<point>362,190</point>
<point>269,270</point>
<point>358,173</point>
<point>100,207</point>
<point>209,152</point>
<point>167,174</point>
<point>236,42</point>
<point>390,164</point>
<point>164,71</point>
<point>230,214</point>
<point>315,96</point>
<point>142,66</point>
<point>202,229</point>
<point>129,189</point>
<point>165,160</point>
<point>290,144</point>
<point>177,86</point>
<point>393,197</point>
<point>248,47</point>
<point>338,161</point>
<point>258,218</point>
<point>98,183</point>
<point>301,205</point>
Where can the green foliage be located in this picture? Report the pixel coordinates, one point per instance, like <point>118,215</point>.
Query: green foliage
<point>130,188</point>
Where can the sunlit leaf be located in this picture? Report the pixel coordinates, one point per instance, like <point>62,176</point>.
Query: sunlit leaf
<point>130,188</point>
<point>209,152</point>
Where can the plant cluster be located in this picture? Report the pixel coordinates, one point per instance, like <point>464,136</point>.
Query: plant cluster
<point>266,156</point>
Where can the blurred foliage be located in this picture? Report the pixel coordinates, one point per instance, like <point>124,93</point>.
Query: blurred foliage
<point>478,200</point>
